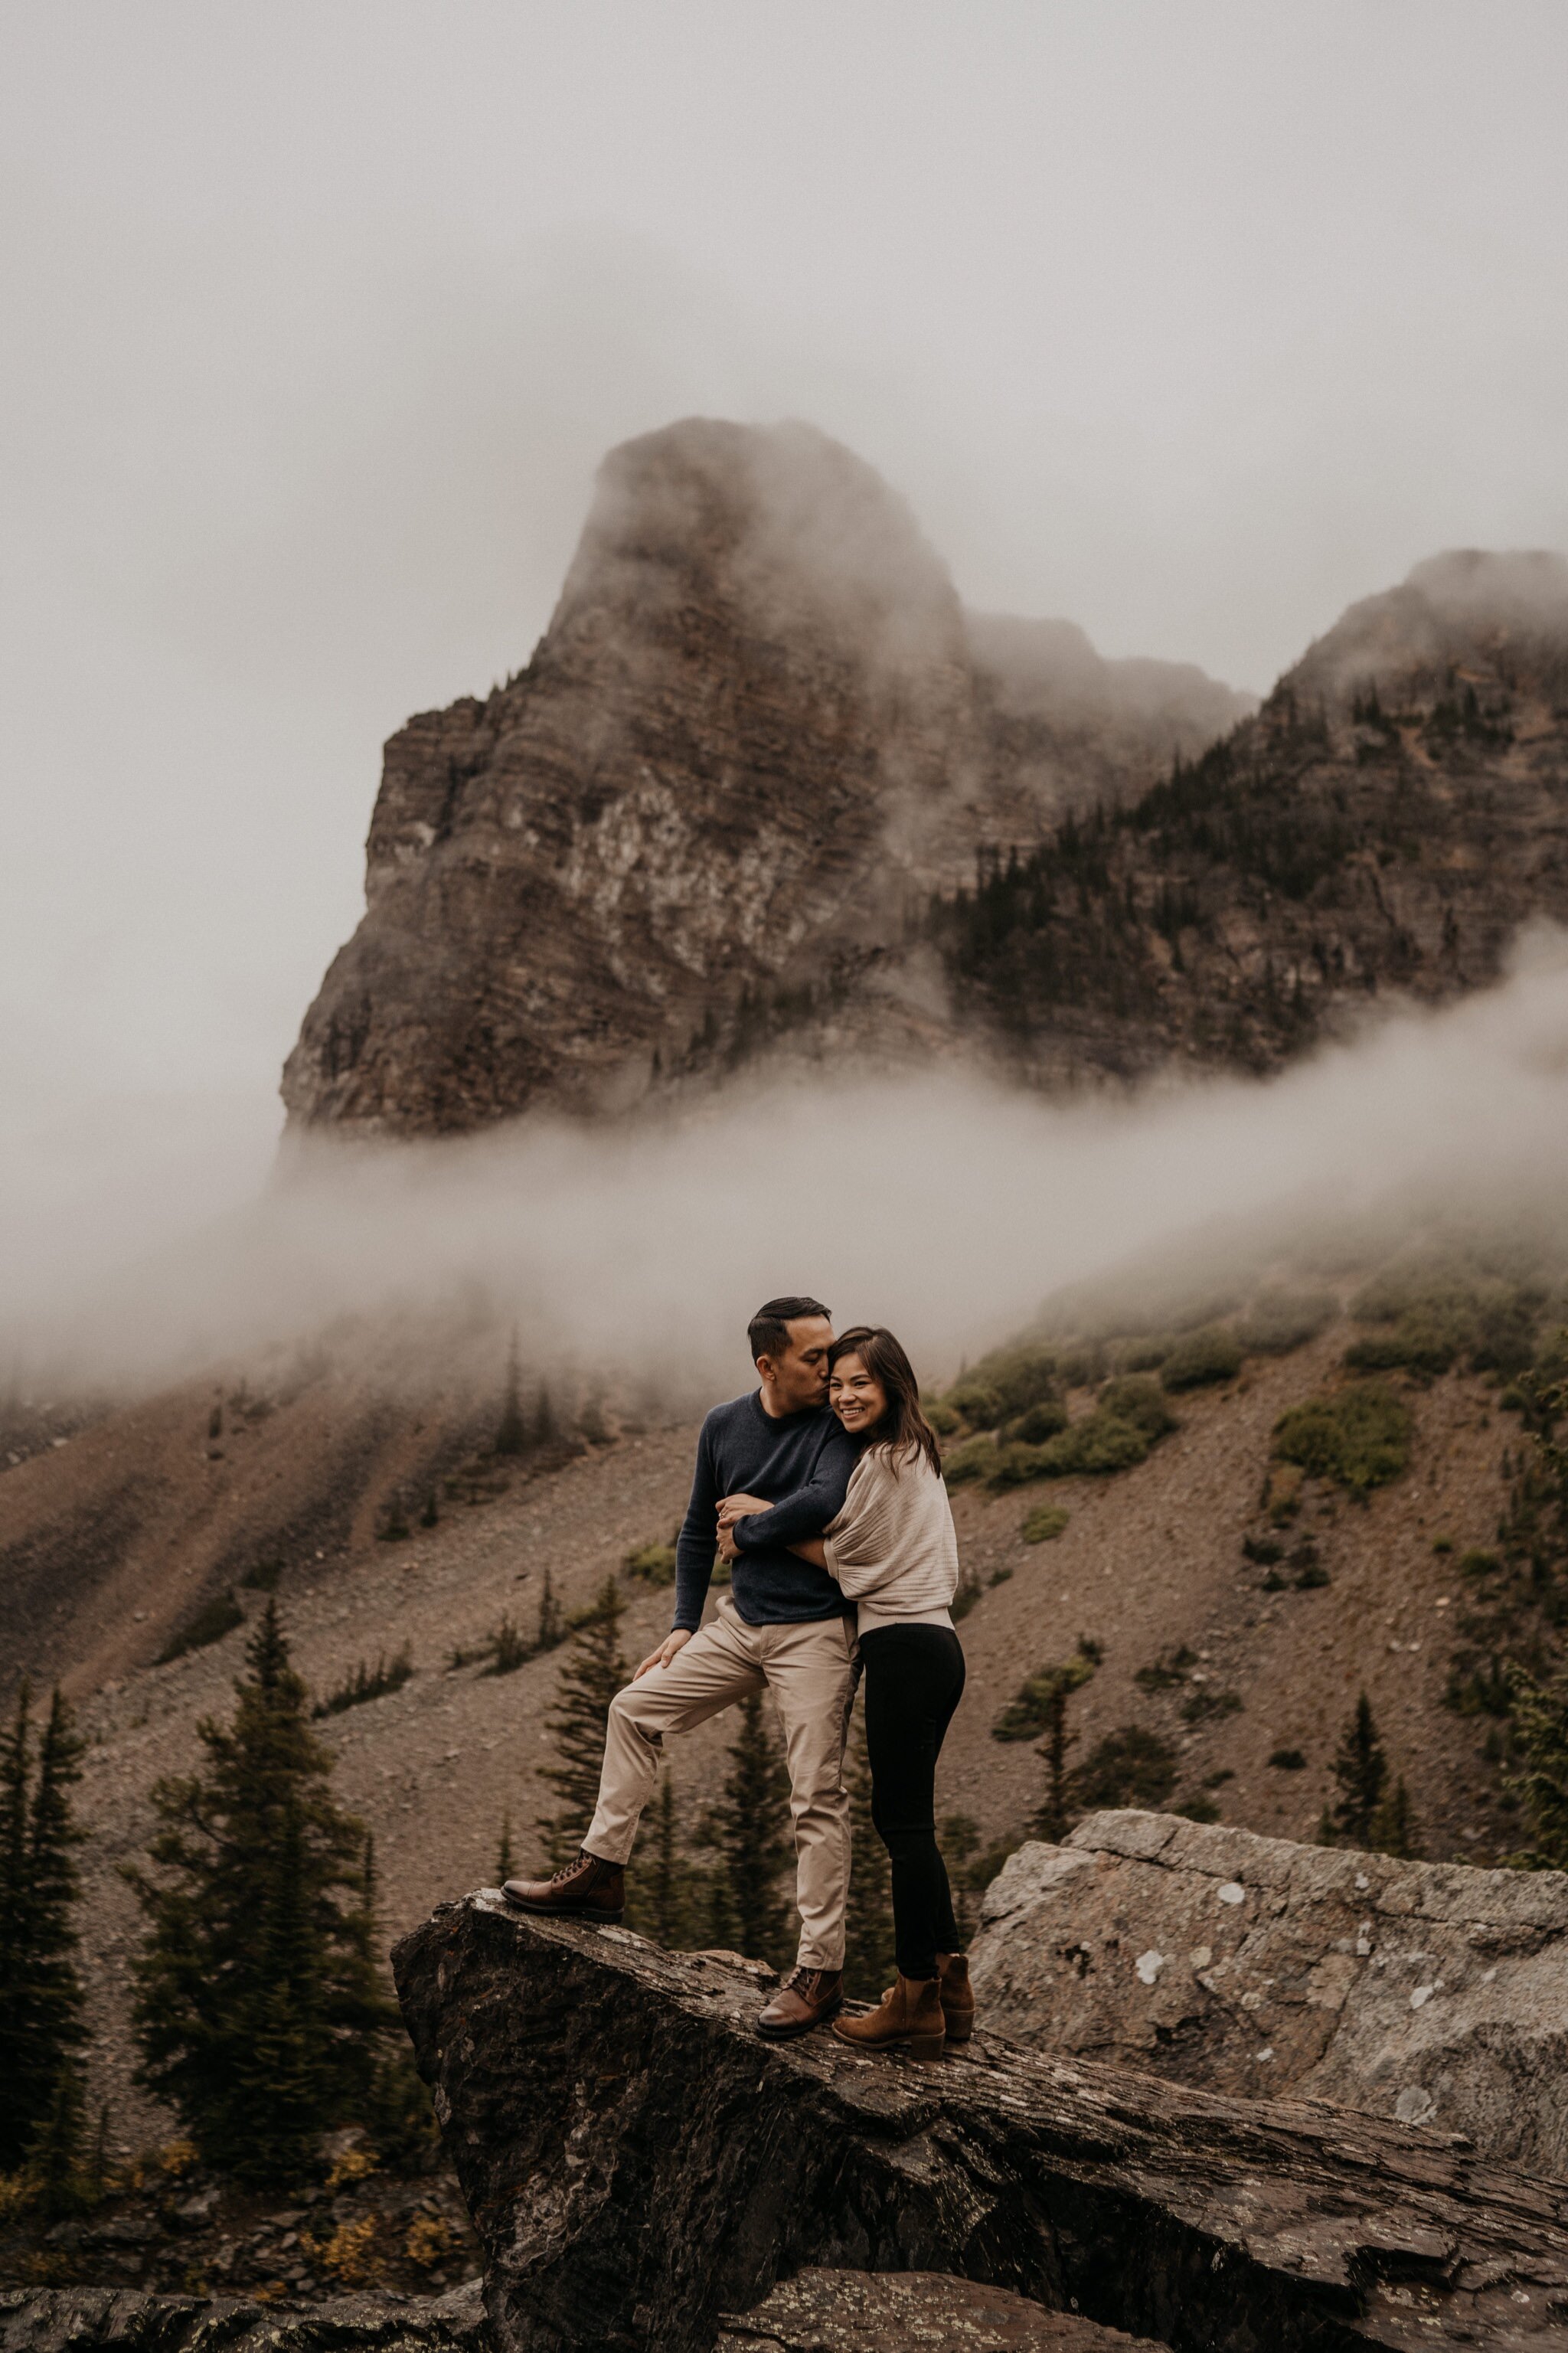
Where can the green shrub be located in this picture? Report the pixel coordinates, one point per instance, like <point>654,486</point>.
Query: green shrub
<point>1262,1550</point>
<point>1418,1344</point>
<point>1288,1760</point>
<point>1038,1701</point>
<point>211,1623</point>
<point>1146,1355</point>
<point>1082,1366</point>
<point>1018,1378</point>
<point>367,1684</point>
<point>1209,1355</point>
<point>1015,1466</point>
<point>975,1459</point>
<point>653,1564</point>
<point>1131,1767</point>
<point>941,1417</point>
<point>1281,1321</point>
<point>978,1404</point>
<point>1198,1809</point>
<point>1206,1705</point>
<point>1359,1437</point>
<point>1311,1578</point>
<point>1042,1420</point>
<point>1098,1445</point>
<point>1168,1670</point>
<point>1477,1563</point>
<point>1136,1399</point>
<point>1045,1523</point>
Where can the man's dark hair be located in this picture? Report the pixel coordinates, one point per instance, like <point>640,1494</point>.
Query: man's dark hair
<point>767,1333</point>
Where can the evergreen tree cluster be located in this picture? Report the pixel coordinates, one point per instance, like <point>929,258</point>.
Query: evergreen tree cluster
<point>41,2026</point>
<point>723,1885</point>
<point>258,2004</point>
<point>1373,1809</point>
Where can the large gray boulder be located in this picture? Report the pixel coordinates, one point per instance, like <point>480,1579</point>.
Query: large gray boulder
<point>1423,1992</point>
<point>638,2165</point>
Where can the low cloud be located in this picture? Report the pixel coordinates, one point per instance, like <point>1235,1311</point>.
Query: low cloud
<point>943,1206</point>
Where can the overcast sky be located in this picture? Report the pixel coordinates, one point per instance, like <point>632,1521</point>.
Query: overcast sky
<point>1192,322</point>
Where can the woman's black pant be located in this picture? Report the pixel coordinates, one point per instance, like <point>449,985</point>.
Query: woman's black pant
<point>914,1680</point>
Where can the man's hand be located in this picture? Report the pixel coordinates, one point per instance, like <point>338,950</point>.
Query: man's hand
<point>737,1507</point>
<point>670,1648</point>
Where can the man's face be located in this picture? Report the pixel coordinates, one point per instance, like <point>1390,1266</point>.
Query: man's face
<point>799,1373</point>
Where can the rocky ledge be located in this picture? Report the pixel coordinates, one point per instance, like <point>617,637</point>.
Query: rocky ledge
<point>638,2165</point>
<point>1425,1992</point>
<point>117,2320</point>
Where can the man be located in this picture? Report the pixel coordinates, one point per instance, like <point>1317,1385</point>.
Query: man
<point>782,1624</point>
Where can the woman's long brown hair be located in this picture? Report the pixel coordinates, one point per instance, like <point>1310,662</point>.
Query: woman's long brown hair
<point>903,1429</point>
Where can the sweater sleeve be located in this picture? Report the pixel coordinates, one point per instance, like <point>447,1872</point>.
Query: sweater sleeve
<point>862,1553</point>
<point>698,1541</point>
<point>808,1511</point>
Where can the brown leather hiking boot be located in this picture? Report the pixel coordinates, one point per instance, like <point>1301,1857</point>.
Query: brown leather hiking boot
<point>803,2002</point>
<point>909,2018</point>
<point>583,1889</point>
<point>957,1996</point>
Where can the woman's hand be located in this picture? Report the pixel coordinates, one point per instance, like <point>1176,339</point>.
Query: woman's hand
<point>728,1548</point>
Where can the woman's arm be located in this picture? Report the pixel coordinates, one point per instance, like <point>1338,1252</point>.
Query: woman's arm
<point>812,1549</point>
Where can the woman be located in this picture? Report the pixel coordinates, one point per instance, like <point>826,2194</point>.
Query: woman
<point>893,1550</point>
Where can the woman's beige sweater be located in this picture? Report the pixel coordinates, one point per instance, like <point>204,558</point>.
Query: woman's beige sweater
<point>893,1547</point>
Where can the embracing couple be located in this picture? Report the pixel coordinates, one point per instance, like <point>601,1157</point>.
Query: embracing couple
<point>823,1489</point>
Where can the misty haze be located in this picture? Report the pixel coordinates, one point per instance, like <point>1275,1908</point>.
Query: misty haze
<point>674,683</point>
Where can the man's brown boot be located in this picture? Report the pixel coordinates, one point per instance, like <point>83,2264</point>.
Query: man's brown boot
<point>908,2018</point>
<point>583,1889</point>
<point>957,1996</point>
<point>803,2002</point>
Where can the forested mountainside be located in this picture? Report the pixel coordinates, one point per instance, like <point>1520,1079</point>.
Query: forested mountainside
<point>1388,821</point>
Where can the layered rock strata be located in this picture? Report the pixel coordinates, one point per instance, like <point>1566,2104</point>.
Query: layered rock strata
<point>120,2320</point>
<point>637,2163</point>
<point>1423,1992</point>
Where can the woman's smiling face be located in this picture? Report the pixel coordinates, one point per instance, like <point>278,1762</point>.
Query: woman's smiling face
<point>856,1396</point>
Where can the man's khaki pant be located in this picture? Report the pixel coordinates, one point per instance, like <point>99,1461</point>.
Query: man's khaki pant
<point>810,1671</point>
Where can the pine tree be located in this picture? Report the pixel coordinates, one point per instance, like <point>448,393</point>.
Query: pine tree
<point>1394,1826</point>
<point>511,1433</point>
<point>257,2009</point>
<point>550,1631</point>
<point>55,2169</point>
<point>19,2113</point>
<point>661,1897</point>
<point>1360,1768</point>
<point>868,1956</point>
<point>544,1425</point>
<point>751,1829</point>
<point>1541,1740</point>
<point>41,1994</point>
<point>1051,1689</point>
<point>590,1678</point>
<point>506,1861</point>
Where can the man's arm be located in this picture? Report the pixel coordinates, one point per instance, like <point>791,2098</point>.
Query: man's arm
<point>808,1511</point>
<point>694,1546</point>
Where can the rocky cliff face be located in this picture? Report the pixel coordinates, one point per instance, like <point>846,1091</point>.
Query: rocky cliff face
<point>737,798</point>
<point>1425,1993</point>
<point>757,734</point>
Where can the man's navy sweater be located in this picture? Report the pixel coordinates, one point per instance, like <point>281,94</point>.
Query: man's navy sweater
<point>744,1450</point>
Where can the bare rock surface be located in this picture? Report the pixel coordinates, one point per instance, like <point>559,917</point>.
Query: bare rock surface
<point>910,2312</point>
<point>120,2320</point>
<point>754,736</point>
<point>1426,1993</point>
<point>637,2163</point>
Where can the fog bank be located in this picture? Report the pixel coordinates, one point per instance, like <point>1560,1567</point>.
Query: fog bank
<point>943,1206</point>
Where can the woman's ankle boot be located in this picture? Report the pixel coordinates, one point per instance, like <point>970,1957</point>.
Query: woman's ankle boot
<point>957,1996</point>
<point>908,2018</point>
